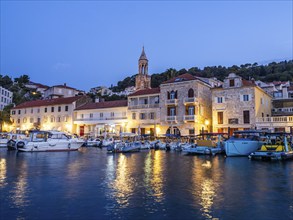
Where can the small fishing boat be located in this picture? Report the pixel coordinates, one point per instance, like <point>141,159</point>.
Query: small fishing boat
<point>50,141</point>
<point>278,146</point>
<point>243,143</point>
<point>207,143</point>
<point>4,139</point>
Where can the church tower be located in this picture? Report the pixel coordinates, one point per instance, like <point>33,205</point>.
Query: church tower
<point>142,80</point>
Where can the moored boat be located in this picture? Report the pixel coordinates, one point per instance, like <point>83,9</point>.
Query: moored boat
<point>16,140</point>
<point>243,143</point>
<point>207,143</point>
<point>278,146</point>
<point>50,141</point>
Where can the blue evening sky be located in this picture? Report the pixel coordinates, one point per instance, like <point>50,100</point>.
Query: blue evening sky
<point>91,43</point>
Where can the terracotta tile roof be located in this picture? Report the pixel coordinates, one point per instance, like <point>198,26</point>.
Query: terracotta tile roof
<point>107,104</point>
<point>146,92</point>
<point>248,83</point>
<point>180,78</point>
<point>46,102</point>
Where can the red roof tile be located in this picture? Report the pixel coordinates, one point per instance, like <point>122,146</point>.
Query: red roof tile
<point>180,78</point>
<point>107,104</point>
<point>146,92</point>
<point>46,102</point>
<point>248,83</point>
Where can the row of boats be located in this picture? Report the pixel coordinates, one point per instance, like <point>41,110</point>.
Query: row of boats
<point>255,144</point>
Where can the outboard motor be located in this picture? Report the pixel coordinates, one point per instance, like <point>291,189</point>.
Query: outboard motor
<point>168,147</point>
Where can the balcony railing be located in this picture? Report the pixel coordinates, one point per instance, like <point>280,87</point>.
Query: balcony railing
<point>282,110</point>
<point>278,119</point>
<point>190,118</point>
<point>190,100</point>
<point>171,118</point>
<point>156,105</point>
<point>101,119</point>
<point>171,102</point>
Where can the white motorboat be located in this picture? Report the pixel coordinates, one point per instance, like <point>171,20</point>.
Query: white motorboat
<point>243,143</point>
<point>94,142</point>
<point>207,143</point>
<point>145,145</point>
<point>108,141</point>
<point>50,141</point>
<point>16,140</point>
<point>276,147</point>
<point>4,139</point>
<point>123,147</point>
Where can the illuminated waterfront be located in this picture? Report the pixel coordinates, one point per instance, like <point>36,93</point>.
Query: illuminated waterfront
<point>91,184</point>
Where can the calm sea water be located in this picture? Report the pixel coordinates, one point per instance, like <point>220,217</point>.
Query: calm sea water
<point>91,184</point>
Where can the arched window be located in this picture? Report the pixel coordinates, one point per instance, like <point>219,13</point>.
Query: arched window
<point>190,93</point>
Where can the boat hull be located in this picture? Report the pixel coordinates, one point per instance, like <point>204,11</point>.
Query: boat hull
<point>267,155</point>
<point>241,147</point>
<point>50,148</point>
<point>203,150</point>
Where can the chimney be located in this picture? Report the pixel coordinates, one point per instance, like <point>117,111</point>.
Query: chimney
<point>64,84</point>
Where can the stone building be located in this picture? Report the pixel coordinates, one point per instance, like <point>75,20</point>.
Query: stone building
<point>49,114</point>
<point>237,104</point>
<point>94,119</point>
<point>185,105</point>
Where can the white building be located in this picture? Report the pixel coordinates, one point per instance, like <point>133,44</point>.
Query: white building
<point>61,91</point>
<point>5,97</point>
<point>49,114</point>
<point>94,119</point>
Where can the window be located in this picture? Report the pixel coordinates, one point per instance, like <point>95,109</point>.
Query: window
<point>133,130</point>
<point>142,116</point>
<point>13,112</point>
<point>81,115</point>
<point>219,99</point>
<point>220,117</point>
<point>190,93</point>
<point>190,110</point>
<point>31,120</point>
<point>59,108</point>
<point>171,111</point>
<point>261,100</point>
<point>245,98</point>
<point>19,111</point>
<point>18,121</point>
<point>52,119</point>
<point>66,108</point>
<point>38,110</point>
<point>45,110</point>
<point>231,83</point>
<point>25,111</point>
<point>112,114</point>
<point>152,115</point>
<point>58,119</point>
<point>172,95</point>
<point>24,120</point>
<point>134,115</point>
<point>246,117</point>
<point>39,121</point>
<point>32,110</point>
<point>101,115</point>
<point>191,131</point>
<point>65,118</point>
<point>52,109</point>
<point>145,101</point>
<point>91,115</point>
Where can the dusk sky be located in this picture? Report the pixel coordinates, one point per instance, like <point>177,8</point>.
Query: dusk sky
<point>87,44</point>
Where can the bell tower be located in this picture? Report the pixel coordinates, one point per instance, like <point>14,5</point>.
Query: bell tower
<point>142,80</point>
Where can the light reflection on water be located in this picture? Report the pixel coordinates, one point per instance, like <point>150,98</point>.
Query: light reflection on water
<point>92,184</point>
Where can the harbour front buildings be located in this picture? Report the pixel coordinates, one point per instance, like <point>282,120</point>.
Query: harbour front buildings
<point>182,105</point>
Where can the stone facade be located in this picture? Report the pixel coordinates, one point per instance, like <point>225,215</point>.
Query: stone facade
<point>142,80</point>
<point>185,106</point>
<point>237,104</point>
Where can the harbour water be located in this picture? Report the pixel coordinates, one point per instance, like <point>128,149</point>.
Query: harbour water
<point>91,184</point>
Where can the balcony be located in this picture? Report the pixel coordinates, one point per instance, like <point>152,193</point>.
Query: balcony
<point>282,111</point>
<point>143,106</point>
<point>171,118</point>
<point>190,100</point>
<point>171,102</point>
<point>192,118</point>
<point>280,119</point>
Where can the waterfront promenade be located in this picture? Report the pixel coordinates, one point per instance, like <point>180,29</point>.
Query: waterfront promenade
<point>91,184</point>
